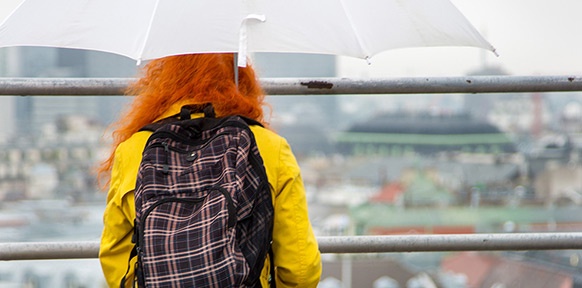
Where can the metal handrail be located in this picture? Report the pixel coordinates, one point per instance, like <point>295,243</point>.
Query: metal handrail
<point>332,86</point>
<point>340,244</point>
<point>315,86</point>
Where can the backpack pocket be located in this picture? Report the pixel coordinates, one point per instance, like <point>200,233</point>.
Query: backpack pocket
<point>191,242</point>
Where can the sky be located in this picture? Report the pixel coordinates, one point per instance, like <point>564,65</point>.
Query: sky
<point>532,37</point>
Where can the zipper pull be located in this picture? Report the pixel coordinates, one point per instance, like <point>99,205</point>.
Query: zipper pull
<point>191,157</point>
<point>166,166</point>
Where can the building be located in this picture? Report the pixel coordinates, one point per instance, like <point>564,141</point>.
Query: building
<point>28,116</point>
<point>489,270</point>
<point>399,134</point>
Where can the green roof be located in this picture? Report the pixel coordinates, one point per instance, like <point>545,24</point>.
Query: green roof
<point>423,139</point>
<point>387,216</point>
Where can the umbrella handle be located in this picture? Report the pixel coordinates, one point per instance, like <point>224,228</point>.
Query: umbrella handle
<point>242,42</point>
<point>235,64</point>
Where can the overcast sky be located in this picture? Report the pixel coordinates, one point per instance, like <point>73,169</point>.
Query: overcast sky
<point>532,37</point>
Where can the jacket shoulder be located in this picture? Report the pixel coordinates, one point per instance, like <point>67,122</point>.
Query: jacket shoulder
<point>266,137</point>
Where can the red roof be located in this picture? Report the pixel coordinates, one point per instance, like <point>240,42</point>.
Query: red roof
<point>486,270</point>
<point>476,267</point>
<point>389,193</point>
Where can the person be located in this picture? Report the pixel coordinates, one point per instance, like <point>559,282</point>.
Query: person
<point>195,79</point>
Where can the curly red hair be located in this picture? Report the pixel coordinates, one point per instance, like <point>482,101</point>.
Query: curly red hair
<point>193,79</point>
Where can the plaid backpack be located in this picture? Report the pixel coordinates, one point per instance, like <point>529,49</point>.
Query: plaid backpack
<point>204,211</point>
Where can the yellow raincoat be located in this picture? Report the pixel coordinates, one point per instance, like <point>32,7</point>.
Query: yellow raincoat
<point>297,257</point>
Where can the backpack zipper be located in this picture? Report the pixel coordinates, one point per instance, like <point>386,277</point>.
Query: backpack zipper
<point>167,147</point>
<point>166,166</point>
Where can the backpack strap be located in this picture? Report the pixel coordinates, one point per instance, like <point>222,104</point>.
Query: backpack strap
<point>185,114</point>
<point>272,281</point>
<point>209,111</point>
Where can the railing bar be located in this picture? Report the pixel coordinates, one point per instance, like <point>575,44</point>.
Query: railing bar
<point>343,244</point>
<point>456,242</point>
<point>48,250</point>
<point>314,86</point>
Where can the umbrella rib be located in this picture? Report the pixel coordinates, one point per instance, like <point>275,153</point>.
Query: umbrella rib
<point>357,35</point>
<point>11,13</point>
<point>147,35</point>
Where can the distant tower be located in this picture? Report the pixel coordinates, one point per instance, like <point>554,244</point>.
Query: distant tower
<point>479,105</point>
<point>537,121</point>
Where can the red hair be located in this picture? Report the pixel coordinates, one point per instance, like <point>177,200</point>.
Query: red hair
<point>192,79</point>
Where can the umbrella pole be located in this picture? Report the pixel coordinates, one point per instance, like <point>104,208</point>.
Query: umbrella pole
<point>235,66</point>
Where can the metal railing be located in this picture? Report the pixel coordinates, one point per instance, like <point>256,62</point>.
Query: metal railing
<point>334,86</point>
<point>340,244</point>
<point>315,86</point>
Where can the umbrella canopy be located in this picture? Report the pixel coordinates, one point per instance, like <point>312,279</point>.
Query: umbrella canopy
<point>149,29</point>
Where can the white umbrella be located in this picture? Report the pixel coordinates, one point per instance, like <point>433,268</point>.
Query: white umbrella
<point>149,29</point>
